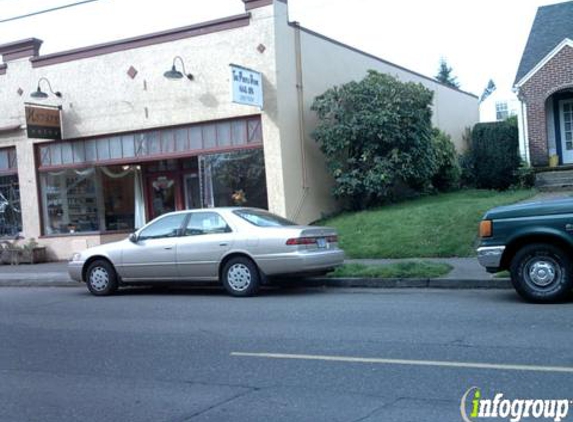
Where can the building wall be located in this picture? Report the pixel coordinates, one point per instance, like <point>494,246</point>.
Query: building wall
<point>100,98</point>
<point>487,108</point>
<point>556,75</point>
<point>323,64</point>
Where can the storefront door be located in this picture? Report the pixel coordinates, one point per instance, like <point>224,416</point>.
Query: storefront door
<point>163,194</point>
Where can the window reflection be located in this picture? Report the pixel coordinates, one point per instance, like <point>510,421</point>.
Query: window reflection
<point>10,212</point>
<point>235,179</point>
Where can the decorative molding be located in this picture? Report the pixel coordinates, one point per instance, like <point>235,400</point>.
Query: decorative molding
<point>566,42</point>
<point>196,30</point>
<point>132,72</point>
<point>29,47</point>
<point>254,4</point>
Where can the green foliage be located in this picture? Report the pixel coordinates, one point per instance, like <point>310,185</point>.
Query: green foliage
<point>445,75</point>
<point>525,176</point>
<point>495,154</point>
<point>409,269</point>
<point>448,172</point>
<point>376,136</point>
<point>443,225</point>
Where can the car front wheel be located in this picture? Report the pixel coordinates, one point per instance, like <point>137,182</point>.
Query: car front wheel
<point>101,278</point>
<point>542,273</point>
<point>240,277</point>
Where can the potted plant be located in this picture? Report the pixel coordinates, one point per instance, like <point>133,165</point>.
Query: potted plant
<point>14,253</point>
<point>32,252</point>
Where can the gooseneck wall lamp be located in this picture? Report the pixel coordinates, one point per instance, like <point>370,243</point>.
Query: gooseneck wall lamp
<point>174,74</point>
<point>40,95</point>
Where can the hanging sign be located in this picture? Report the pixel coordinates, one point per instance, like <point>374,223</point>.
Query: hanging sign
<point>247,86</point>
<point>43,122</point>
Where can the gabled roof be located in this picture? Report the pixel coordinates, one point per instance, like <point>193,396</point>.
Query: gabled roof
<point>552,25</point>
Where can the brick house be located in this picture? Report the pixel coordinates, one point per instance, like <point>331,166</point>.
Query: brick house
<point>544,84</point>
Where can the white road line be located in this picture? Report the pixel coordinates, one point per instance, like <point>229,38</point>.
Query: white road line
<point>445,364</point>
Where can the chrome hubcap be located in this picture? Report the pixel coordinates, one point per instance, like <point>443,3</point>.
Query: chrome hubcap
<point>543,273</point>
<point>99,279</point>
<point>239,277</point>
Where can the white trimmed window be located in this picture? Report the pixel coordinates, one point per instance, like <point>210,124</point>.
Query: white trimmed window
<point>501,111</point>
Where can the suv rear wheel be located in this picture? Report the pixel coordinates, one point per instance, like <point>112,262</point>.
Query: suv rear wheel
<point>542,273</point>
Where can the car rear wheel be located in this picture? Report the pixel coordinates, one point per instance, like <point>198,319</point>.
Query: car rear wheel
<point>240,277</point>
<point>101,278</point>
<point>542,273</point>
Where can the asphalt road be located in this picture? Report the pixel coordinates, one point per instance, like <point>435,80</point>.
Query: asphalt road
<point>287,355</point>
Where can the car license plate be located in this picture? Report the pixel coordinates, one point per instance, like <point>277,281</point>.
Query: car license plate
<point>321,242</point>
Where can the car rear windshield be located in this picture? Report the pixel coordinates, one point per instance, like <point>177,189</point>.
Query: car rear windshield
<point>261,218</point>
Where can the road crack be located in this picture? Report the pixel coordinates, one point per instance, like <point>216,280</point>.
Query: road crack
<point>216,405</point>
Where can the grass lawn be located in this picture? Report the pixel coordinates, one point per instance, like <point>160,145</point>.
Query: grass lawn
<point>410,269</point>
<point>443,225</point>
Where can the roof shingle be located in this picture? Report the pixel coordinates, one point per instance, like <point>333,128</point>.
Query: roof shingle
<point>552,24</point>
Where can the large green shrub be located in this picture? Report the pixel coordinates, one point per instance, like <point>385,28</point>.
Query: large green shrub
<point>494,154</point>
<point>376,136</point>
<point>448,172</point>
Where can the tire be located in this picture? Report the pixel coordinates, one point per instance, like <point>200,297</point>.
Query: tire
<point>101,278</point>
<point>542,273</point>
<point>241,277</point>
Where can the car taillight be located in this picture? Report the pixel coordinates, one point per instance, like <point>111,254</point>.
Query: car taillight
<point>310,240</point>
<point>485,228</point>
<point>301,241</point>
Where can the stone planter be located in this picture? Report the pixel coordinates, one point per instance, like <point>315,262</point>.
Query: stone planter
<point>16,256</point>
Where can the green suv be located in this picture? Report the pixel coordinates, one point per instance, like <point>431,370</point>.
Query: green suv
<point>535,243</point>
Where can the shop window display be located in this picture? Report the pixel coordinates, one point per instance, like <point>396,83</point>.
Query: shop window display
<point>89,200</point>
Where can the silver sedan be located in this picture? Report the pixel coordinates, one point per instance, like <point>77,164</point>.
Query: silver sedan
<point>241,247</point>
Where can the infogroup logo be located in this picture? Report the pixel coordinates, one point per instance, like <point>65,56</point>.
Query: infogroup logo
<point>474,407</point>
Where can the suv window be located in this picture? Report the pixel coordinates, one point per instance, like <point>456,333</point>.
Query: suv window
<point>165,227</point>
<point>206,223</point>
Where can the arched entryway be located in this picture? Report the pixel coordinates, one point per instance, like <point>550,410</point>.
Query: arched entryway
<point>559,117</point>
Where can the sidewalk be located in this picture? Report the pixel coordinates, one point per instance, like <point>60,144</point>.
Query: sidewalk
<point>51,274</point>
<point>466,274</point>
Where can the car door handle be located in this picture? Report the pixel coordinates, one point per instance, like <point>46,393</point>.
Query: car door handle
<point>167,248</point>
<point>223,244</point>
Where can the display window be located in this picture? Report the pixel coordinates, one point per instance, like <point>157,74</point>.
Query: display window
<point>10,210</point>
<point>112,184</point>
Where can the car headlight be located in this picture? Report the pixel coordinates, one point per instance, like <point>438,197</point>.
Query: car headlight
<point>76,257</point>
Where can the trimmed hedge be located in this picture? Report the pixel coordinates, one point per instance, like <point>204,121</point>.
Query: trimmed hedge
<point>494,154</point>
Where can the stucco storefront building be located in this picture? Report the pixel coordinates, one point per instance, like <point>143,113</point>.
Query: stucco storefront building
<point>136,144</point>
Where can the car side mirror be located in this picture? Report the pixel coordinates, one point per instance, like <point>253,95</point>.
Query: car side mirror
<point>133,238</point>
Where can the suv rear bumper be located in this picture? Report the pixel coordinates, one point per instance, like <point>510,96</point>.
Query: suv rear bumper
<point>490,257</point>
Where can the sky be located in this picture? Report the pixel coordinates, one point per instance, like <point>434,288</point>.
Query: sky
<point>479,39</point>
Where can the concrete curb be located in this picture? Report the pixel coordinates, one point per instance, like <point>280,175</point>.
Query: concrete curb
<point>38,283</point>
<point>372,283</point>
<point>406,283</point>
